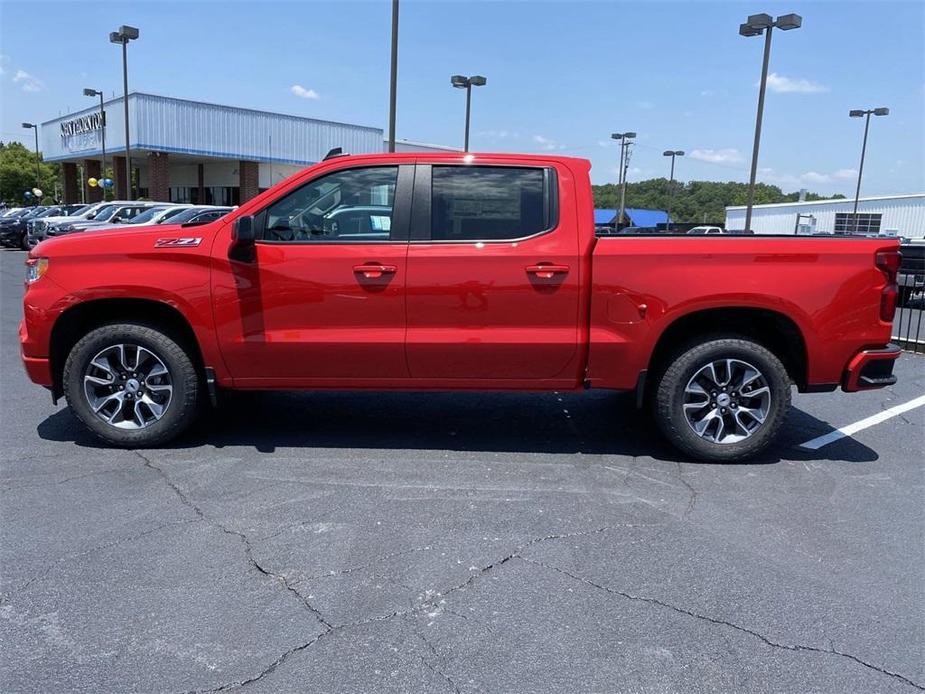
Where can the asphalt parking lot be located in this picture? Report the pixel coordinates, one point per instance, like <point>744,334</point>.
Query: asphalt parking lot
<point>456,542</point>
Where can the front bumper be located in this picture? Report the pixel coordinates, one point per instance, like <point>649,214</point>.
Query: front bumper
<point>37,368</point>
<point>871,368</point>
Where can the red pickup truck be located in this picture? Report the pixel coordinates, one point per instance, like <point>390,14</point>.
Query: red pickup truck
<point>450,272</point>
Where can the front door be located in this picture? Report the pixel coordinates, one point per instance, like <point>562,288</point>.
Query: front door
<point>324,301</point>
<point>493,277</point>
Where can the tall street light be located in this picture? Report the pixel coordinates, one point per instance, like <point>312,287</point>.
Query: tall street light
<point>467,83</point>
<point>38,175</point>
<point>859,113</point>
<point>91,93</point>
<point>672,154</point>
<point>393,76</point>
<point>625,142</point>
<point>123,36</point>
<point>756,25</point>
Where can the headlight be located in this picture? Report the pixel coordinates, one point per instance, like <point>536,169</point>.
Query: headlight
<point>36,269</point>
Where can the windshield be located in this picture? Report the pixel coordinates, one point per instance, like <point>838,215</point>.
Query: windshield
<point>147,216</point>
<point>74,210</point>
<point>33,212</point>
<point>50,212</point>
<point>103,213</point>
<point>170,214</point>
<point>187,215</point>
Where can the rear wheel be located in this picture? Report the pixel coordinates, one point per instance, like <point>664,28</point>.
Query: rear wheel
<point>132,385</point>
<point>723,400</point>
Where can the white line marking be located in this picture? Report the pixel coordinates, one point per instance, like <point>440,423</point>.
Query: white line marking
<point>850,429</point>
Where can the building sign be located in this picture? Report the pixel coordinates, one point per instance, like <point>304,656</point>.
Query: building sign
<point>83,133</point>
<point>84,124</point>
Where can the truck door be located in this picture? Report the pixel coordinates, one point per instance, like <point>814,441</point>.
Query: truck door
<point>493,275</point>
<point>323,302</point>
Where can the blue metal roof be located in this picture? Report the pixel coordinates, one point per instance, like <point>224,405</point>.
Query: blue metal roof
<point>637,216</point>
<point>604,216</point>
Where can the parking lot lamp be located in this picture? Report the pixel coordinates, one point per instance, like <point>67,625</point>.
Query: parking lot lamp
<point>858,113</point>
<point>35,127</point>
<point>393,76</point>
<point>756,25</point>
<point>91,93</point>
<point>123,36</point>
<point>467,83</point>
<point>672,154</point>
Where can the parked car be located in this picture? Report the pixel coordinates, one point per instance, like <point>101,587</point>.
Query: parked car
<point>483,281</point>
<point>158,214</point>
<point>9,211</point>
<point>113,213</point>
<point>13,228</point>
<point>199,214</point>
<point>38,232</point>
<point>707,230</point>
<point>912,272</point>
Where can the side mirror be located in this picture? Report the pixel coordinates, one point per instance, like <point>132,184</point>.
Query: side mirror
<point>243,240</point>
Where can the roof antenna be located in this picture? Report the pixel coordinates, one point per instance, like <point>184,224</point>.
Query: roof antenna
<point>335,152</point>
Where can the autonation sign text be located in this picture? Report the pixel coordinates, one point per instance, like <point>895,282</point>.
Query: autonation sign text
<point>84,124</point>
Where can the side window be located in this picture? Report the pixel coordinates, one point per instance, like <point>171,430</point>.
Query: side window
<point>350,205</point>
<point>482,203</point>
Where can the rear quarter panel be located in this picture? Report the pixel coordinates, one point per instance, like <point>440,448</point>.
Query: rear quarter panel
<point>829,287</point>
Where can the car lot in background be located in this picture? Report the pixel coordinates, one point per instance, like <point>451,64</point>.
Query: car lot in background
<point>333,539</point>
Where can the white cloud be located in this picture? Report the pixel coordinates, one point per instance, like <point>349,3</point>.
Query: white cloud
<point>708,92</point>
<point>303,93</point>
<point>718,156</point>
<point>845,174</point>
<point>27,82</point>
<point>645,105</point>
<point>815,177</point>
<point>799,85</point>
<point>547,143</point>
<point>498,134</point>
<point>4,61</point>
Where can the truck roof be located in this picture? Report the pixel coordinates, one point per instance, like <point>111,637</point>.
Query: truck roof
<point>464,157</point>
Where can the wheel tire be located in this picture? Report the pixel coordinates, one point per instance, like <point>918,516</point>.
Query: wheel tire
<point>670,394</point>
<point>182,407</point>
<point>24,242</point>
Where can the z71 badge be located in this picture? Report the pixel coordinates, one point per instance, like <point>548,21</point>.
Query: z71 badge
<point>178,243</point>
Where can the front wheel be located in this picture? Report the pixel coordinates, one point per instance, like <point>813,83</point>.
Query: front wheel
<point>132,385</point>
<point>723,400</point>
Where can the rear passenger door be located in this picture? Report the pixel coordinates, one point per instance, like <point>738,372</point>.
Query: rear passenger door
<point>493,276</point>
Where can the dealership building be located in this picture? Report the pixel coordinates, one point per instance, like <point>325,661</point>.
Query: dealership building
<point>903,215</point>
<point>190,151</point>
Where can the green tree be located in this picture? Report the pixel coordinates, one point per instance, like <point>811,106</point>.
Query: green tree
<point>695,201</point>
<point>17,173</point>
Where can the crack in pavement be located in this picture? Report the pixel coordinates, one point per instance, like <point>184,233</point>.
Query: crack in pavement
<point>248,548</point>
<point>12,487</point>
<point>96,548</point>
<point>435,667</point>
<point>693,498</point>
<point>713,620</point>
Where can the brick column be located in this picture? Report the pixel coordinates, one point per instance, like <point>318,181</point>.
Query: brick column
<point>118,172</point>
<point>158,176</point>
<point>92,170</point>
<point>248,180</point>
<point>71,186</point>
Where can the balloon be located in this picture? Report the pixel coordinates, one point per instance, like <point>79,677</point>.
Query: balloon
<point>27,194</point>
<point>37,192</point>
<point>92,182</point>
<point>107,183</point>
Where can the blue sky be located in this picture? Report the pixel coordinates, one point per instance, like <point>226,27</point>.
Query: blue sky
<point>561,76</point>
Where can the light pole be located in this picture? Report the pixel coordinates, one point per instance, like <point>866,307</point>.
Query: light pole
<point>91,93</point>
<point>755,26</point>
<point>38,175</point>
<point>467,83</point>
<point>393,76</point>
<point>625,142</point>
<point>123,36</point>
<point>858,113</point>
<point>672,154</point>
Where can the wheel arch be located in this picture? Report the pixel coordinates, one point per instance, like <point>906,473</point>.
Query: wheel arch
<point>81,318</point>
<point>772,329</point>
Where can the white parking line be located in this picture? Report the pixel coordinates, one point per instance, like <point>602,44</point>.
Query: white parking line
<point>826,439</point>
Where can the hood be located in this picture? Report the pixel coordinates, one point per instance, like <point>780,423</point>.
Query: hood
<point>136,240</point>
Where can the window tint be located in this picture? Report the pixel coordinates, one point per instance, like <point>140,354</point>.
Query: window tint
<point>472,203</point>
<point>351,205</point>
